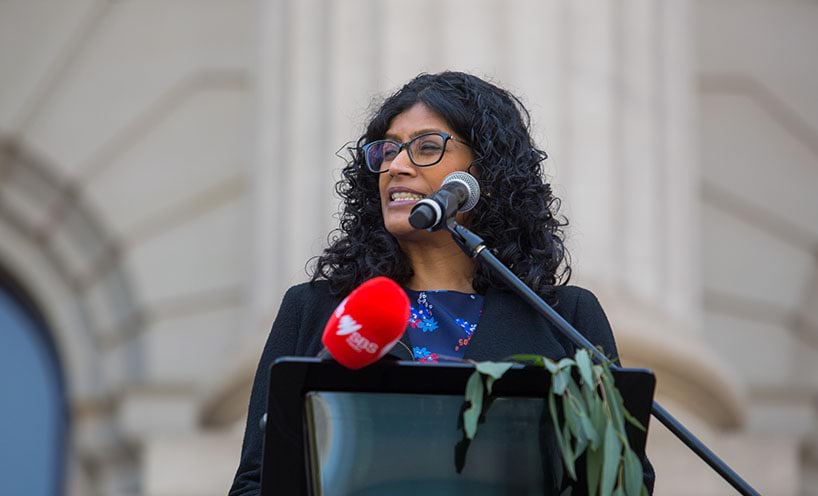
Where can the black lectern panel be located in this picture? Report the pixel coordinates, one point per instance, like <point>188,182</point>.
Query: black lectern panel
<point>391,428</point>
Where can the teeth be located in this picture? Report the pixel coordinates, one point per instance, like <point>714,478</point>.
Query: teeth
<point>405,195</point>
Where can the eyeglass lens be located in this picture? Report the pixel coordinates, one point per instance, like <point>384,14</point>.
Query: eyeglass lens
<point>424,150</point>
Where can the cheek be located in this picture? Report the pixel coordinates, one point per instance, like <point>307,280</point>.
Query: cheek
<point>382,185</point>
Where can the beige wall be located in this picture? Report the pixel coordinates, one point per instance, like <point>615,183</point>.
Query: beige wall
<point>151,151</point>
<point>759,195</point>
<point>127,142</point>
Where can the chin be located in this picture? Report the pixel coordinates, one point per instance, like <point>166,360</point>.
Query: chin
<point>396,222</point>
<point>400,229</point>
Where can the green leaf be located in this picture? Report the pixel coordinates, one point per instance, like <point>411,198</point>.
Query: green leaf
<point>599,370</point>
<point>576,396</point>
<point>562,443</point>
<point>551,365</point>
<point>537,360</point>
<point>612,449</point>
<point>579,447</point>
<point>590,395</point>
<point>583,416</point>
<point>568,452</point>
<point>598,419</point>
<point>474,395</point>
<point>632,420</point>
<point>572,418</point>
<point>633,474</point>
<point>623,436</point>
<point>594,470</point>
<point>584,364</point>
<point>590,433</point>
<point>578,408</point>
<point>493,369</point>
<point>561,381</point>
<point>618,491</point>
<point>565,363</point>
<point>614,399</point>
<point>552,409</point>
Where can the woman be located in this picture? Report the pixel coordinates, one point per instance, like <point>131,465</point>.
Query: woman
<point>437,124</point>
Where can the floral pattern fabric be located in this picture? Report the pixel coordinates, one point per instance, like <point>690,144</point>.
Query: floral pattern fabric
<point>441,323</point>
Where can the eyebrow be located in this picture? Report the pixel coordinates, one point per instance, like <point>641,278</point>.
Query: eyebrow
<point>395,137</point>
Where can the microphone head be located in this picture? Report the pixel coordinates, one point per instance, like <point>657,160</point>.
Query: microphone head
<point>367,324</point>
<point>472,187</point>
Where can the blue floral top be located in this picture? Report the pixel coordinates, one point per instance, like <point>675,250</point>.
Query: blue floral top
<point>441,323</point>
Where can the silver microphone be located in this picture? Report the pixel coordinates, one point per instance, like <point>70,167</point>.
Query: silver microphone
<point>459,192</point>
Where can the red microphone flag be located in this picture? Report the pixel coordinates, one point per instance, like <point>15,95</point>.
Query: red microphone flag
<point>367,324</point>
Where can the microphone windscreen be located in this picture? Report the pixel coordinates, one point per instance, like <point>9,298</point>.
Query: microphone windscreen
<point>471,185</point>
<point>367,324</point>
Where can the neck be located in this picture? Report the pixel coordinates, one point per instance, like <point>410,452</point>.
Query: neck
<point>438,263</point>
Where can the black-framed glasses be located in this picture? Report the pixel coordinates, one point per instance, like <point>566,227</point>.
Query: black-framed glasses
<point>424,150</point>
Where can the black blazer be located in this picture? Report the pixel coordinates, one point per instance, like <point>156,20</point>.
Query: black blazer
<point>508,326</point>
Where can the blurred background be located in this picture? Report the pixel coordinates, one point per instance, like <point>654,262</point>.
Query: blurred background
<point>167,169</point>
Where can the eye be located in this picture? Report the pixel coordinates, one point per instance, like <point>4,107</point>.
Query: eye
<point>390,151</point>
<point>428,145</point>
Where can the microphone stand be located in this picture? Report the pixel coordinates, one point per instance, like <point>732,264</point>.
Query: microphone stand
<point>475,247</point>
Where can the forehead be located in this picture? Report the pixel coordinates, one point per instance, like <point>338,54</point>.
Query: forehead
<point>415,120</point>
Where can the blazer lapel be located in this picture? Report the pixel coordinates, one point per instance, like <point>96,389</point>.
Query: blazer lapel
<point>508,327</point>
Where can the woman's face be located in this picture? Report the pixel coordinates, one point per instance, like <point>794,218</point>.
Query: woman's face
<point>404,184</point>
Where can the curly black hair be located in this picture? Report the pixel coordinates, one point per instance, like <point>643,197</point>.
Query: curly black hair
<point>517,211</point>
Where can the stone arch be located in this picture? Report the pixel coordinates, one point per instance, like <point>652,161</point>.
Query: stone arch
<point>69,263</point>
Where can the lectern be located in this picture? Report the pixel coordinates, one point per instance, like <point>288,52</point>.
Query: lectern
<point>391,428</point>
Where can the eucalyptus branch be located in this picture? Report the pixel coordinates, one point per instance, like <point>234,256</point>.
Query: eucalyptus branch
<point>587,413</point>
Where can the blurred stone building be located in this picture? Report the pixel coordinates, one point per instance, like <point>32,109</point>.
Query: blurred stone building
<point>167,169</point>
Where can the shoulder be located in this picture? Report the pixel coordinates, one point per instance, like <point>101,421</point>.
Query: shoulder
<point>309,292</point>
<point>308,302</point>
<point>573,302</point>
<point>582,309</point>
<point>304,303</point>
<point>573,292</point>
<point>311,299</point>
<point>304,310</point>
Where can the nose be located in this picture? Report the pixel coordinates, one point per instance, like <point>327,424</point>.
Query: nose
<point>401,165</point>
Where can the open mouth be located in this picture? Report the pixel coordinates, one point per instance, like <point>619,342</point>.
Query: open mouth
<point>405,196</point>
